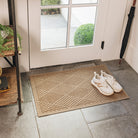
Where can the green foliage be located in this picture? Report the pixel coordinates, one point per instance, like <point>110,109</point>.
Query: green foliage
<point>84,34</point>
<point>50,2</point>
<point>9,31</point>
<point>50,11</point>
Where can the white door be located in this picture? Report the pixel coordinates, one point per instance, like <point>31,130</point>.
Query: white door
<point>66,31</point>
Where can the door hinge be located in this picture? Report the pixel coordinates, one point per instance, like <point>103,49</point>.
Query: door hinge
<point>102,45</point>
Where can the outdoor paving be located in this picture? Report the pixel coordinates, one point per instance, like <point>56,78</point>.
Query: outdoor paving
<point>113,120</point>
<point>54,32</point>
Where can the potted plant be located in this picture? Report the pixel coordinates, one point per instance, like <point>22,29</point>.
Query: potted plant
<point>6,36</point>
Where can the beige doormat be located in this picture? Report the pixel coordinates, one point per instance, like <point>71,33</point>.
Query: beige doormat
<point>57,92</point>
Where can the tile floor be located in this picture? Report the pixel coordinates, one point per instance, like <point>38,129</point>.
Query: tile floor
<point>114,120</point>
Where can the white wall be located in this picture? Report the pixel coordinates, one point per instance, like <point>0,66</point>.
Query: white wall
<point>22,28</point>
<point>131,54</point>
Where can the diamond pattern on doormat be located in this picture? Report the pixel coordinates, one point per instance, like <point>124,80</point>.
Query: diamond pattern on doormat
<point>62,91</point>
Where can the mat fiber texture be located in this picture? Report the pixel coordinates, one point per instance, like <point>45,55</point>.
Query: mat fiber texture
<point>57,92</point>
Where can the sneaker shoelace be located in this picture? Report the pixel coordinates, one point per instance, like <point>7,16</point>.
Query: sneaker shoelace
<point>101,83</point>
<point>111,80</point>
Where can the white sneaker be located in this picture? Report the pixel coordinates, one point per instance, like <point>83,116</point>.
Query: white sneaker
<point>111,81</point>
<point>100,83</point>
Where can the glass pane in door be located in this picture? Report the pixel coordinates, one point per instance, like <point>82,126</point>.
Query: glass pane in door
<point>53,28</point>
<point>83,1</point>
<point>82,26</point>
<point>53,2</point>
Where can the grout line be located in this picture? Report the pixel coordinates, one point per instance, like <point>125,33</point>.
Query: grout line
<point>32,102</point>
<point>86,123</point>
<point>124,115</point>
<point>36,120</point>
<point>34,107</point>
<point>109,118</point>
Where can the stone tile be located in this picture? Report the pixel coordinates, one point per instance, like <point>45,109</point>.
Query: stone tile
<point>120,127</point>
<point>12,126</point>
<point>68,66</point>
<point>129,80</point>
<point>61,67</point>
<point>113,65</point>
<point>102,112</point>
<point>98,62</point>
<point>78,65</point>
<point>85,64</point>
<point>63,125</point>
<point>26,87</point>
<point>46,69</point>
<point>132,106</point>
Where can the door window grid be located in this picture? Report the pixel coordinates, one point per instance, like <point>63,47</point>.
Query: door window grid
<point>71,5</point>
